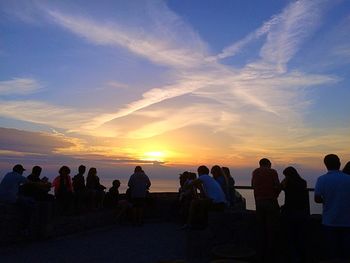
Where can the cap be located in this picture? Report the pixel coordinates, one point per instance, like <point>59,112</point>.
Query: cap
<point>18,167</point>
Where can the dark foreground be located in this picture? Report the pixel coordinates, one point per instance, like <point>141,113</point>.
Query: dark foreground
<point>151,243</point>
<point>95,237</point>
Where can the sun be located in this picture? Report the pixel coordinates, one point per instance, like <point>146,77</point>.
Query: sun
<point>154,156</point>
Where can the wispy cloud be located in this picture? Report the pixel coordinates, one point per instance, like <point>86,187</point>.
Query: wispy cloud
<point>262,99</point>
<point>297,22</point>
<point>154,48</point>
<point>19,86</point>
<point>44,113</point>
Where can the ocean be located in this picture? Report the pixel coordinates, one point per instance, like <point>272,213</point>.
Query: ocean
<point>171,185</point>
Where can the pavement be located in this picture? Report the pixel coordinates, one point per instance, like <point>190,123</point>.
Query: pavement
<point>151,243</point>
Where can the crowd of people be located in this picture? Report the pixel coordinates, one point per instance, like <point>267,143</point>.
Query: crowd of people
<point>199,195</point>
<point>332,190</point>
<point>72,195</point>
<point>217,193</point>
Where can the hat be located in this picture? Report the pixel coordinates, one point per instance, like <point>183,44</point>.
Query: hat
<point>18,167</point>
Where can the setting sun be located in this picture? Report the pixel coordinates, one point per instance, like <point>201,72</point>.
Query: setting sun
<point>154,156</point>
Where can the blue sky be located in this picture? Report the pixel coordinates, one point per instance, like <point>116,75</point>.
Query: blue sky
<point>174,82</point>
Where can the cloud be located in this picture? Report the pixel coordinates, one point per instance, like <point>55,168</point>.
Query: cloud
<point>285,32</point>
<point>44,113</point>
<point>257,106</point>
<point>19,86</point>
<point>13,140</point>
<point>235,48</point>
<point>158,48</point>
<point>297,21</point>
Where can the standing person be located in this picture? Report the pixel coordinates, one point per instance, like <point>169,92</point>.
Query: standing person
<point>97,190</point>
<point>139,185</point>
<point>333,191</point>
<point>295,212</point>
<point>63,190</point>
<point>79,188</point>
<point>266,187</point>
<point>346,168</point>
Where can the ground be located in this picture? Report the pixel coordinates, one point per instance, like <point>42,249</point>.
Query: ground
<point>151,243</point>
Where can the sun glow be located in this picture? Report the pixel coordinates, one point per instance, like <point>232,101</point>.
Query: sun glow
<point>154,156</point>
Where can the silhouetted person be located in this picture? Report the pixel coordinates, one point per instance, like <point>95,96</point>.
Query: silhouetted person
<point>213,198</point>
<point>79,180</point>
<point>63,190</point>
<point>346,168</point>
<point>231,186</point>
<point>266,187</point>
<point>96,190</point>
<point>112,196</point>
<point>9,193</point>
<point>186,194</point>
<point>139,185</point>
<point>38,192</point>
<point>220,177</point>
<point>333,191</point>
<point>295,212</point>
<point>79,187</point>
<point>9,186</point>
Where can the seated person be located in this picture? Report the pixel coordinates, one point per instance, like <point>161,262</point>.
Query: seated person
<point>112,196</point>
<point>63,190</point>
<point>95,189</point>
<point>38,192</point>
<point>213,198</point>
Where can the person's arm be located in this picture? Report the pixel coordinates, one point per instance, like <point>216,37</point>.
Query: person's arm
<point>253,180</point>
<point>318,192</point>
<point>148,182</point>
<point>130,182</point>
<point>283,184</point>
<point>70,185</point>
<point>276,183</point>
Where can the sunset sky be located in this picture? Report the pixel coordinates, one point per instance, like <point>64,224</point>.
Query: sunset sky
<point>174,84</point>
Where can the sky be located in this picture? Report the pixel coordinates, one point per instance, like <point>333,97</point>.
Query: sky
<point>171,85</point>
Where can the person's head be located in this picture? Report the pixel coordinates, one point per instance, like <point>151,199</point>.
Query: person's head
<point>81,169</point>
<point>183,177</point>
<point>226,171</point>
<point>18,168</point>
<point>332,162</point>
<point>138,169</point>
<point>64,170</point>
<point>202,170</point>
<point>216,171</point>
<point>192,176</point>
<point>36,170</point>
<point>264,162</point>
<point>116,183</point>
<point>92,171</point>
<point>291,173</point>
<point>346,168</point>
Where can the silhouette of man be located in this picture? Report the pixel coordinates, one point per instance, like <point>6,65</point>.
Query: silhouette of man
<point>9,186</point>
<point>333,191</point>
<point>266,187</point>
<point>213,198</point>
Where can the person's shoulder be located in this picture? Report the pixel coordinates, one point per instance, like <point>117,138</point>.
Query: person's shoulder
<point>273,170</point>
<point>256,170</point>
